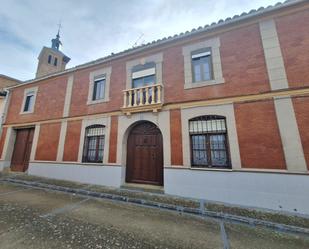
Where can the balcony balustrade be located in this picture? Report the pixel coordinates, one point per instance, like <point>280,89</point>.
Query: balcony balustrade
<point>142,99</point>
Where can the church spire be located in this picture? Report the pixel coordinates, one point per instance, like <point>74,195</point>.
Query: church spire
<point>56,41</point>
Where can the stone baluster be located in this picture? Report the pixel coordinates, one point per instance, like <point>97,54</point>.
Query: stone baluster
<point>135,97</point>
<point>147,96</point>
<point>159,95</point>
<point>124,99</point>
<point>130,98</point>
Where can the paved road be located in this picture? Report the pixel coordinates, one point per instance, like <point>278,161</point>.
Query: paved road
<point>31,218</point>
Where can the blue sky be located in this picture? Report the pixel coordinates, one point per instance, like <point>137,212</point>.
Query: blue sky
<point>95,28</point>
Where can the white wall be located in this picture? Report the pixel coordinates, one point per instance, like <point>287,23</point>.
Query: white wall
<point>263,190</point>
<point>99,175</point>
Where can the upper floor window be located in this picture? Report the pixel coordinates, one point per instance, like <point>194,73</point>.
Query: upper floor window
<point>99,83</point>
<point>94,144</point>
<point>98,88</point>
<point>144,75</point>
<point>49,59</point>
<point>202,65</point>
<point>55,61</point>
<point>29,100</point>
<point>209,145</point>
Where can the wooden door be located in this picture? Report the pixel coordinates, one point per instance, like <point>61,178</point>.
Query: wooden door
<point>145,155</point>
<point>22,149</point>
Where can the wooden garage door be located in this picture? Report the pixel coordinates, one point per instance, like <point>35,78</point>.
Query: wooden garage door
<point>22,149</point>
<point>145,155</point>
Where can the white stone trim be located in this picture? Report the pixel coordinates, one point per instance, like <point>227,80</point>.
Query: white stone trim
<point>214,44</point>
<point>9,143</point>
<point>106,121</point>
<point>26,93</point>
<point>291,142</point>
<point>162,120</point>
<point>61,143</point>
<point>35,141</point>
<point>156,58</point>
<point>90,174</point>
<point>223,110</point>
<point>68,96</point>
<point>273,56</point>
<point>107,73</point>
<point>276,191</point>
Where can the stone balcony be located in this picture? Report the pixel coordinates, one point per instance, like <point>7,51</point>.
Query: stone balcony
<point>142,99</point>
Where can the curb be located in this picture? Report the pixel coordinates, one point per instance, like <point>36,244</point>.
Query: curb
<point>193,211</point>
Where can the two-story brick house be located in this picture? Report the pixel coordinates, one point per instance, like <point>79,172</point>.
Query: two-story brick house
<point>219,113</point>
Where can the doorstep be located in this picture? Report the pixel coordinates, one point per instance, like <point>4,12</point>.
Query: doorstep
<point>143,188</point>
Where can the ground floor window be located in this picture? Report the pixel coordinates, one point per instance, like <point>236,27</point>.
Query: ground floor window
<point>209,145</point>
<point>94,144</point>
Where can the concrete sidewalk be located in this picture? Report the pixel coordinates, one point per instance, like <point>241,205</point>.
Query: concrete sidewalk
<point>34,218</point>
<point>280,221</point>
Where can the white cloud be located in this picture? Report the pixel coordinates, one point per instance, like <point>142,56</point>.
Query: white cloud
<point>93,29</point>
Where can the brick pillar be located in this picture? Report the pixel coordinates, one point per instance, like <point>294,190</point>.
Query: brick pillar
<point>176,137</point>
<point>112,157</point>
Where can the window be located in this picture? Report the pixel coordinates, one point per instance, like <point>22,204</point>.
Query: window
<point>55,62</point>
<point>209,145</point>
<point>99,83</point>
<point>49,59</point>
<point>94,144</point>
<point>98,88</point>
<point>143,75</point>
<point>202,65</point>
<point>29,100</point>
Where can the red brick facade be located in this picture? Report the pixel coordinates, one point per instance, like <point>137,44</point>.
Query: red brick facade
<point>71,146</point>
<point>259,139</point>
<point>294,40</point>
<point>245,74</point>
<point>48,142</point>
<point>176,137</point>
<point>112,157</point>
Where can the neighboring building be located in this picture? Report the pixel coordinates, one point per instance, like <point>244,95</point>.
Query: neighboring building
<point>5,81</point>
<point>219,113</point>
<point>51,60</point>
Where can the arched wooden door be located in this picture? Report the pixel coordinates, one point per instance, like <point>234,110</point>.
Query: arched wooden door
<point>145,155</point>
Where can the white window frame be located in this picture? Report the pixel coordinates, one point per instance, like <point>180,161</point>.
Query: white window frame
<point>106,73</point>
<point>214,45</point>
<point>27,92</point>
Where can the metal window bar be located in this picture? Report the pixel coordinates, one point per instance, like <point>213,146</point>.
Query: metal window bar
<point>94,144</point>
<point>209,145</point>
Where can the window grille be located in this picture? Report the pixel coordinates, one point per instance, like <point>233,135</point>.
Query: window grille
<point>94,144</point>
<point>209,145</point>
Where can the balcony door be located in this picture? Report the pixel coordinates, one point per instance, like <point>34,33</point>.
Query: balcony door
<point>145,155</point>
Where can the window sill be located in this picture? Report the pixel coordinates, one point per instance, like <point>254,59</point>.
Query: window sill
<point>99,101</point>
<point>203,83</point>
<point>29,112</point>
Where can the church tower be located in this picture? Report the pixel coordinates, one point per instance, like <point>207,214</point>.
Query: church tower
<point>52,60</point>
